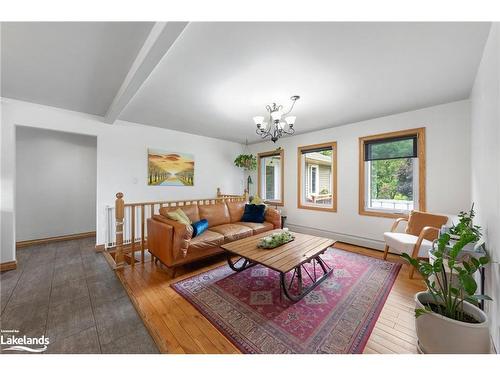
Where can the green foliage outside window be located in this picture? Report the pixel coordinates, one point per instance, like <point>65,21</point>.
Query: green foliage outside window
<point>392,175</point>
<point>392,179</point>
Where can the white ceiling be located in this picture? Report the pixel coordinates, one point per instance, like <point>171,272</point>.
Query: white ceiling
<point>73,65</point>
<point>217,76</point>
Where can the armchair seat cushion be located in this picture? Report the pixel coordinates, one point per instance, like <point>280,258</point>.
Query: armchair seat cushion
<point>257,227</point>
<point>404,243</point>
<point>206,240</point>
<point>232,232</point>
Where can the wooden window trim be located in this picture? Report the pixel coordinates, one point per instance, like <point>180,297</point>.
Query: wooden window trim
<point>281,154</point>
<point>420,133</point>
<point>333,208</point>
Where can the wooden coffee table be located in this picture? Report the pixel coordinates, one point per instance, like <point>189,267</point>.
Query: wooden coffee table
<point>291,257</point>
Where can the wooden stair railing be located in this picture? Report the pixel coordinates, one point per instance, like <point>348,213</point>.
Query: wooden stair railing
<point>127,215</point>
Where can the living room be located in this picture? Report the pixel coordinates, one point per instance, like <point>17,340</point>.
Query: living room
<point>235,187</point>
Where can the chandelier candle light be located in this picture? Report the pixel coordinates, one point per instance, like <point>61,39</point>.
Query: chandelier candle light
<point>275,127</point>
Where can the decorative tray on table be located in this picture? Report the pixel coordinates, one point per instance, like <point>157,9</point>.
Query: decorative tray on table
<point>276,239</point>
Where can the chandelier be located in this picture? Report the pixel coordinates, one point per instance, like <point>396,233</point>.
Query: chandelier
<point>275,127</point>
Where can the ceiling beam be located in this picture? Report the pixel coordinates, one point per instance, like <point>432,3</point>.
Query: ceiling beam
<point>159,41</point>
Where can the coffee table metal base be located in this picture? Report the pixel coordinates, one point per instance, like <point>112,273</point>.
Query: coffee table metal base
<point>293,291</point>
<point>240,265</point>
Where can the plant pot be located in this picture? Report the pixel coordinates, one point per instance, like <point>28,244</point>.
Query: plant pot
<point>439,334</point>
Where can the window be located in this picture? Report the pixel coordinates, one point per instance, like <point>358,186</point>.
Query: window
<point>317,166</point>
<point>392,173</point>
<point>270,177</point>
<point>313,179</point>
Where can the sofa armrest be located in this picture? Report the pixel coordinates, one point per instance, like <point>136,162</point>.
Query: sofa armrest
<point>274,217</point>
<point>182,234</point>
<point>160,240</point>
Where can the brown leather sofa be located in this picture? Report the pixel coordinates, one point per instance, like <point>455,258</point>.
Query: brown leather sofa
<point>172,242</point>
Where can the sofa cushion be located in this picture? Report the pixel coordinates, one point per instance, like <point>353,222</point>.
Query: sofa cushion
<point>236,210</point>
<point>254,213</point>
<point>199,227</point>
<point>216,214</point>
<point>190,210</point>
<point>257,227</point>
<point>233,232</point>
<point>180,216</point>
<point>206,240</point>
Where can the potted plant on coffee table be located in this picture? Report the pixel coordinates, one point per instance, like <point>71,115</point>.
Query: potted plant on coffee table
<point>447,316</point>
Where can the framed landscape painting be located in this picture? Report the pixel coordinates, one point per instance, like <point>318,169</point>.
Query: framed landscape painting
<point>170,168</point>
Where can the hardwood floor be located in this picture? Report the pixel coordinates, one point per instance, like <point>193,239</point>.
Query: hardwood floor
<point>177,327</point>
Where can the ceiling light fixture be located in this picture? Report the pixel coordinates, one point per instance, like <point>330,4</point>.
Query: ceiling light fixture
<point>275,127</point>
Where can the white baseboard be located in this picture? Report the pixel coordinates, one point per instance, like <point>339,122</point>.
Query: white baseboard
<point>355,240</point>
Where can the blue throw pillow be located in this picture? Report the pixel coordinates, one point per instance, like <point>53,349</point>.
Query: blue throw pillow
<point>199,227</point>
<point>254,213</point>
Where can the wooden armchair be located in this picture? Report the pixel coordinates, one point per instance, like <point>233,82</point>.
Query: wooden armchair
<point>422,228</point>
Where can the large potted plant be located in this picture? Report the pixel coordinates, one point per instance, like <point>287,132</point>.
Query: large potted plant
<point>249,163</point>
<point>447,316</point>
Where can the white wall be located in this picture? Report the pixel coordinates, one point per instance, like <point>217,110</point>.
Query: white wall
<point>121,161</point>
<point>55,183</point>
<point>447,160</point>
<point>485,145</point>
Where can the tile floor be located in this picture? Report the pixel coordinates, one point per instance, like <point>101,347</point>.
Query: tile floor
<point>67,292</point>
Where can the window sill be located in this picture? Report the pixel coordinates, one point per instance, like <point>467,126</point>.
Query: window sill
<point>393,215</point>
<point>317,208</point>
<point>274,203</point>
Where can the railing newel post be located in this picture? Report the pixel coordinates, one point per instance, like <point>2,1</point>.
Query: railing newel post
<point>119,215</point>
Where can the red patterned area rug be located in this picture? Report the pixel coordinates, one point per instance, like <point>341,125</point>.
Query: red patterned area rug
<point>336,317</point>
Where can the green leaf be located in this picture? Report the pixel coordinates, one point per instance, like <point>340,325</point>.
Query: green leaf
<point>468,283</point>
<point>443,241</point>
<point>425,269</point>
<point>412,261</point>
<point>478,297</point>
<point>466,265</point>
<point>438,264</point>
<point>484,260</point>
<point>475,262</point>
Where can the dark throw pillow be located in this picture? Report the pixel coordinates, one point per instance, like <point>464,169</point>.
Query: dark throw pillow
<point>254,213</point>
<point>199,227</point>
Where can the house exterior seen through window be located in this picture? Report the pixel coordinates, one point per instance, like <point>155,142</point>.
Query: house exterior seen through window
<point>317,178</point>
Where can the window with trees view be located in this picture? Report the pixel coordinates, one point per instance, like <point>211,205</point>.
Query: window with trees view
<point>392,173</point>
<point>270,177</point>
<point>317,176</point>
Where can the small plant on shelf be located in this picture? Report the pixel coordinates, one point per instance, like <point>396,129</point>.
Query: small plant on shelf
<point>466,227</point>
